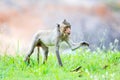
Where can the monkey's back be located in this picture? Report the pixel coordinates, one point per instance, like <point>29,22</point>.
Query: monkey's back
<point>48,37</point>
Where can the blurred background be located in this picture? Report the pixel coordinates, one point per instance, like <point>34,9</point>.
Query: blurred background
<point>94,21</point>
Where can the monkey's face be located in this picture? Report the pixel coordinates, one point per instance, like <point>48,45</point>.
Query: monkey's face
<point>67,31</point>
<point>65,28</point>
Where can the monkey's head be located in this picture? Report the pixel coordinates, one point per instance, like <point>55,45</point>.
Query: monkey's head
<point>65,28</point>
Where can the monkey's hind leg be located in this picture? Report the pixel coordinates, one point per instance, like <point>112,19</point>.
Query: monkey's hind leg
<point>27,58</point>
<point>45,52</point>
<point>29,53</point>
<point>38,54</point>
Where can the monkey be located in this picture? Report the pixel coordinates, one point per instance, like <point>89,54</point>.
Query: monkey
<point>44,39</point>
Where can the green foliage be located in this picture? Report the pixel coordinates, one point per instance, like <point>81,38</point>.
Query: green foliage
<point>97,65</point>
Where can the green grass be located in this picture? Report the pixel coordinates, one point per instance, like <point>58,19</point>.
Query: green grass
<point>97,65</point>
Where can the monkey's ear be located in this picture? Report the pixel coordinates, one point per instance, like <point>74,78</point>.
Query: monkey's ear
<point>64,22</point>
<point>58,27</point>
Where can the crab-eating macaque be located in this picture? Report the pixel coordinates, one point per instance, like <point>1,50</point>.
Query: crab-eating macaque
<point>43,39</point>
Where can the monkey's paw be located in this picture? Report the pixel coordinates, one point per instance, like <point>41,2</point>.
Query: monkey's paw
<point>84,44</point>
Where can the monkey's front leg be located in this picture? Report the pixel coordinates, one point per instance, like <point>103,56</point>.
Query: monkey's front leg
<point>57,54</point>
<point>80,44</point>
<point>75,46</point>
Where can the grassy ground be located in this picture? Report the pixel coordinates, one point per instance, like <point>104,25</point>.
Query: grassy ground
<point>97,65</point>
